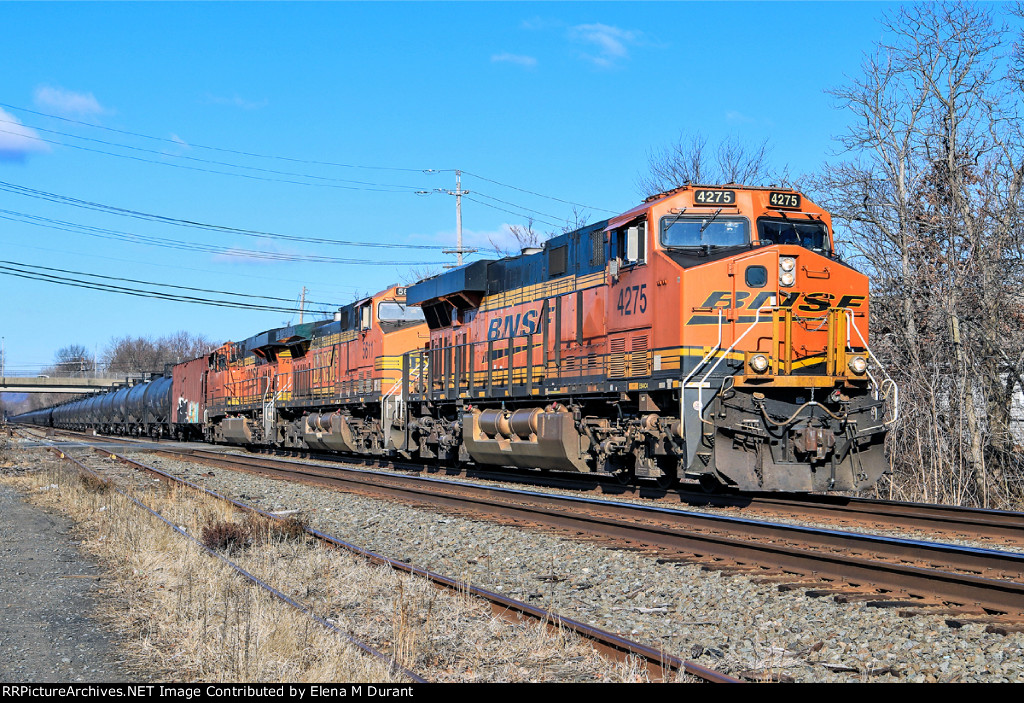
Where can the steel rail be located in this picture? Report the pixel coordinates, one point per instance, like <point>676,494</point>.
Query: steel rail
<point>969,522</point>
<point>659,663</point>
<point>975,523</point>
<point>392,663</point>
<point>993,592</point>
<point>984,578</point>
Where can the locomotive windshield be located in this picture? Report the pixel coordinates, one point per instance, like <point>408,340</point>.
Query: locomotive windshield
<point>811,234</point>
<point>398,312</point>
<point>709,230</point>
<point>395,316</point>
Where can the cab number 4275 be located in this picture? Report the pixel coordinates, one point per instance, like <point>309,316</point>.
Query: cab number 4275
<point>632,300</point>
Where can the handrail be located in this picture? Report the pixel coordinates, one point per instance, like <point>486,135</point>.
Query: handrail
<point>888,378</point>
<point>718,345</point>
<point>700,386</point>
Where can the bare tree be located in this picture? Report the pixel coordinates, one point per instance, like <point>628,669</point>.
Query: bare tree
<point>72,360</point>
<point>690,160</point>
<point>131,355</point>
<point>518,237</point>
<point>526,236</point>
<point>415,274</point>
<point>930,197</point>
<point>183,346</point>
<point>135,355</point>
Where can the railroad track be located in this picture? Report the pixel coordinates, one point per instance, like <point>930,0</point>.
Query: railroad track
<point>996,528</point>
<point>660,665</point>
<point>393,664</point>
<point>966,584</point>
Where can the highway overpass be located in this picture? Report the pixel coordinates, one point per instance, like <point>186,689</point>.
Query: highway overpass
<point>43,384</point>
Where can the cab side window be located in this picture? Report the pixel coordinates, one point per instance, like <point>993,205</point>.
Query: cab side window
<point>629,244</point>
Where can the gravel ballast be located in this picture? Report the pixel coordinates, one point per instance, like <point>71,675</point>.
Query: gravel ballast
<point>724,622</point>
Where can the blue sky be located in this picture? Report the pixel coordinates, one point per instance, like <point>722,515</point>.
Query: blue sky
<point>565,100</point>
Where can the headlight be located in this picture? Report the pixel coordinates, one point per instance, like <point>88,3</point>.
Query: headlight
<point>759,362</point>
<point>787,263</point>
<point>787,278</point>
<point>858,365</point>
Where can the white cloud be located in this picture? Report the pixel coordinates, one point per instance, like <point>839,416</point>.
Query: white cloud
<point>241,256</point>
<point>237,101</point>
<point>612,43</point>
<point>16,140</point>
<point>471,239</point>
<point>737,117</point>
<point>519,60</point>
<point>67,102</point>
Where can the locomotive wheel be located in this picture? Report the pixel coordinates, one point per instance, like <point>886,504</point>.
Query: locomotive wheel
<point>666,481</point>
<point>710,484</point>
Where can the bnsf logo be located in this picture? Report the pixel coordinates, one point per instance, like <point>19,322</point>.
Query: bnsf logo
<point>513,325</point>
<point>809,302</point>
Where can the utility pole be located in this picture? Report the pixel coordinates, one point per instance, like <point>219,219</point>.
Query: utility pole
<point>302,305</point>
<point>458,193</point>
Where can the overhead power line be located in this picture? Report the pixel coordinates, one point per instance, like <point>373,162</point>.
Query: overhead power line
<point>275,175</point>
<point>167,285</point>
<point>205,170</point>
<point>521,207</point>
<point>349,289</point>
<point>238,152</point>
<point>37,273</point>
<point>510,212</point>
<point>104,233</point>
<point>261,234</point>
<point>539,195</point>
<point>185,157</point>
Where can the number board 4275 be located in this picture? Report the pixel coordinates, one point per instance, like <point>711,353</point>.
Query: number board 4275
<point>714,197</point>
<point>783,200</point>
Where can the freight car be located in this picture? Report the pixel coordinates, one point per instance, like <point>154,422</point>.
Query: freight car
<point>710,333</point>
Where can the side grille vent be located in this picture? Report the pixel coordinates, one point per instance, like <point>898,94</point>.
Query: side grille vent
<point>640,362</point>
<point>617,358</point>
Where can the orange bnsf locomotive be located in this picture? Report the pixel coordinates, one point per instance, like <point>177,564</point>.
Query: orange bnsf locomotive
<point>710,333</point>
<point>319,386</point>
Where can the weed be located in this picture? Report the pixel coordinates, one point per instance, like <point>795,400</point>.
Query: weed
<point>224,535</point>
<point>93,484</point>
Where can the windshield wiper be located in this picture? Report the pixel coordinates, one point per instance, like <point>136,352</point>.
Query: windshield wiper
<point>708,223</point>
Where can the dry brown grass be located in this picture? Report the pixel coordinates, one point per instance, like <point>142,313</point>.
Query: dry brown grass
<point>183,614</point>
<point>93,484</point>
<point>226,536</point>
<point>191,618</point>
